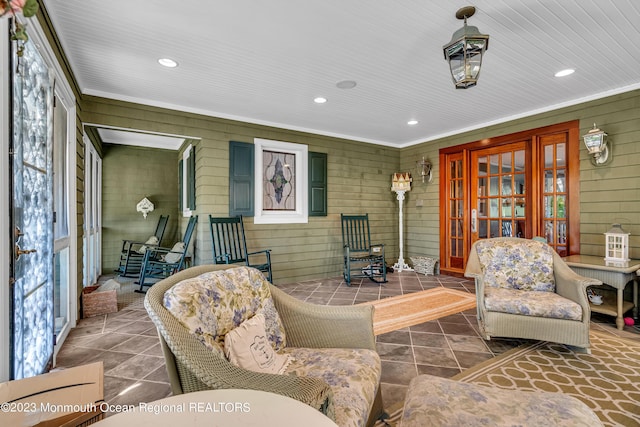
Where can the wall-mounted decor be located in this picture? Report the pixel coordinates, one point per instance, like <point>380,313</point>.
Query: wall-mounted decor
<point>145,206</point>
<point>281,172</point>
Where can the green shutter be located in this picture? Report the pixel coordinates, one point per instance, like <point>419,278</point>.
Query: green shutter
<point>180,170</point>
<point>241,182</point>
<point>317,184</point>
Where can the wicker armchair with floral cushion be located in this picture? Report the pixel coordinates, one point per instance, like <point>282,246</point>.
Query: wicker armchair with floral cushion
<point>332,363</point>
<point>525,290</point>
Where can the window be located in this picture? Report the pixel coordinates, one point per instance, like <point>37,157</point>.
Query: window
<point>281,193</point>
<point>187,173</point>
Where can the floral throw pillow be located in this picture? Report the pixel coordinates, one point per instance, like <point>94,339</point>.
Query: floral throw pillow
<point>214,303</point>
<point>247,347</point>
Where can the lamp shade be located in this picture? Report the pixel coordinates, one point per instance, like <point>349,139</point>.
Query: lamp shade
<point>465,50</point>
<point>596,142</point>
<point>401,181</point>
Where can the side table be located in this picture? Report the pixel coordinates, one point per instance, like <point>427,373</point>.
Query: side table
<point>615,276</point>
<point>229,407</point>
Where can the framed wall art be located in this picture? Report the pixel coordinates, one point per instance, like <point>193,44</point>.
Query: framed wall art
<point>281,182</point>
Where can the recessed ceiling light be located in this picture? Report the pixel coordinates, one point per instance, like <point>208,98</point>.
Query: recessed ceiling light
<point>566,72</point>
<point>320,100</point>
<point>346,84</point>
<point>166,62</point>
<point>412,122</point>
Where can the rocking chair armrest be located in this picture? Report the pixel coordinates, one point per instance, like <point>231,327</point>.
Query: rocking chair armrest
<point>322,326</point>
<point>264,251</point>
<point>224,258</point>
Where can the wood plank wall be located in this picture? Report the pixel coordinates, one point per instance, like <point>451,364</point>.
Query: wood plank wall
<point>359,181</point>
<point>608,194</point>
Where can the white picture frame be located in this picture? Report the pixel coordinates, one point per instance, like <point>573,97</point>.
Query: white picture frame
<point>282,168</point>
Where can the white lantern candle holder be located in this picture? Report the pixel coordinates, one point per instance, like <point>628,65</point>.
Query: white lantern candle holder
<point>616,246</point>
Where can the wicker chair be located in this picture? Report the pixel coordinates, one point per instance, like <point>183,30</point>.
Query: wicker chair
<point>534,289</point>
<point>193,367</point>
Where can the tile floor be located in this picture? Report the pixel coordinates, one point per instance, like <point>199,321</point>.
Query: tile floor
<point>127,343</point>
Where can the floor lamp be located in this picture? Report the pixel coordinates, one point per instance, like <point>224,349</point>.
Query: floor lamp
<point>401,183</point>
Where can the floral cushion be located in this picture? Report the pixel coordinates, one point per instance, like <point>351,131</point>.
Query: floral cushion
<point>216,302</point>
<point>531,303</point>
<point>522,264</point>
<point>352,374</point>
<point>434,402</point>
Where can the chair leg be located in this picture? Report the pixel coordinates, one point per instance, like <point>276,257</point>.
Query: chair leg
<point>347,271</point>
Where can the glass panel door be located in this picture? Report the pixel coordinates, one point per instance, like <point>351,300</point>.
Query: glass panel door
<point>499,178</point>
<point>455,213</point>
<point>31,216</point>
<point>554,192</point>
<point>92,221</point>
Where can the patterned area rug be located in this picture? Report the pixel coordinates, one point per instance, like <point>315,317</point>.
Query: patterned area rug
<point>398,312</point>
<point>607,380</point>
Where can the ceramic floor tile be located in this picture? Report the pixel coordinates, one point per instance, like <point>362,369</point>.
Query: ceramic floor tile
<point>139,366</point>
<point>435,356</point>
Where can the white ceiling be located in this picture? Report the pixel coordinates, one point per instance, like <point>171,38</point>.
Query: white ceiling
<point>139,139</point>
<point>265,61</point>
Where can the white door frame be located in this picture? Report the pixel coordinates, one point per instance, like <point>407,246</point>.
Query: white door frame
<point>5,335</point>
<point>63,89</point>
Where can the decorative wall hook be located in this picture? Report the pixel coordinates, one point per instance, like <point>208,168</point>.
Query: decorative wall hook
<point>145,206</point>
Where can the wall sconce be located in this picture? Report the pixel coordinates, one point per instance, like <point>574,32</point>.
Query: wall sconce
<point>465,50</point>
<point>145,206</point>
<point>596,142</point>
<point>424,168</point>
<point>617,246</point>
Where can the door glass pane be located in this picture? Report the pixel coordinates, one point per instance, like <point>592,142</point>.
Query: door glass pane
<point>518,185</point>
<point>507,229</point>
<point>548,206</point>
<point>548,156</point>
<point>61,289</point>
<point>560,210</point>
<point>548,181</point>
<point>507,190</point>
<point>494,186</point>
<point>482,166</point>
<point>32,293</point>
<point>493,163</point>
<point>494,228</point>
<point>493,204</point>
<point>482,187</point>
<point>561,184</point>
<point>482,207</point>
<point>61,228</point>
<point>507,165</point>
<point>561,155</point>
<point>482,229</point>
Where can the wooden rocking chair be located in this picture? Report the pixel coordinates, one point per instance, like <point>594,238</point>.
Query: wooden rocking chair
<point>132,251</point>
<point>159,263</point>
<point>230,245</point>
<point>361,256</point>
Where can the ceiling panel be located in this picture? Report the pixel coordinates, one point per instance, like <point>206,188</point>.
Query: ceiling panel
<point>264,62</point>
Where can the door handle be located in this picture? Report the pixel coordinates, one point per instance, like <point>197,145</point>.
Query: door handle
<point>19,252</point>
<point>474,220</point>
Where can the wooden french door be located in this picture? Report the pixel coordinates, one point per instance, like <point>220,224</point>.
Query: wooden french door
<point>520,185</point>
<point>499,197</point>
